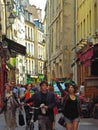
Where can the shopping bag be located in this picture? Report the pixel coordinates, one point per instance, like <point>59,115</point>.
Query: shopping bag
<point>21,118</point>
<point>61,121</point>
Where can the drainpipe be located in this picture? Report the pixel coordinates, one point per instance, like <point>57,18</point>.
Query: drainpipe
<point>75,38</point>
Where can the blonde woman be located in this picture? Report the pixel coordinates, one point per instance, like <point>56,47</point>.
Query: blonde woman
<point>10,110</point>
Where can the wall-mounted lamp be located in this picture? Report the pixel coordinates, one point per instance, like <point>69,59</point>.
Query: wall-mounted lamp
<point>11,18</point>
<point>43,41</point>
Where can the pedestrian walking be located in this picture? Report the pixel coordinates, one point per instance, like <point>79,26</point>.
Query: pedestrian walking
<point>46,99</point>
<point>55,109</point>
<point>81,98</point>
<point>34,88</point>
<point>22,91</point>
<point>82,88</point>
<point>15,89</point>
<point>11,105</point>
<point>27,95</point>
<point>71,107</point>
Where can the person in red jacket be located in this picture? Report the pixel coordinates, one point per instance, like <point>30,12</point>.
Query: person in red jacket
<point>28,94</point>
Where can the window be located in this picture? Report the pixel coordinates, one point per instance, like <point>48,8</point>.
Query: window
<point>26,46</point>
<point>29,66</point>
<point>28,32</point>
<point>90,22</point>
<point>84,28</point>
<point>32,66</point>
<point>31,34</point>
<point>32,49</point>
<point>81,30</point>
<point>94,68</point>
<point>87,25</point>
<point>25,31</point>
<point>95,17</point>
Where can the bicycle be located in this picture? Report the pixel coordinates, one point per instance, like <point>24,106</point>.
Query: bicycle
<point>31,123</point>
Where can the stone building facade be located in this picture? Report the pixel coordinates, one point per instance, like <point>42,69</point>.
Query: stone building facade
<point>60,37</point>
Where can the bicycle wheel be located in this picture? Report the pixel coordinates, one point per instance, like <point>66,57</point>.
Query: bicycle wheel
<point>32,126</point>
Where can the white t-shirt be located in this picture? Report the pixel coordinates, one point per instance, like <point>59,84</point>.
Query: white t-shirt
<point>82,88</point>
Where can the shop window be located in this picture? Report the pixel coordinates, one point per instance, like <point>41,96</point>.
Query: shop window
<point>94,68</point>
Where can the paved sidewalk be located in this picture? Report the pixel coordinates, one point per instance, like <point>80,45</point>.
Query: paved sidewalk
<point>2,122</point>
<point>3,125</point>
<point>85,124</point>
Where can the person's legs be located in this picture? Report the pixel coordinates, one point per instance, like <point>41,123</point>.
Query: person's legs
<point>28,115</point>
<point>69,126</point>
<point>75,125</point>
<point>44,123</point>
<point>48,124</point>
<point>53,124</point>
<point>13,127</point>
<point>10,122</point>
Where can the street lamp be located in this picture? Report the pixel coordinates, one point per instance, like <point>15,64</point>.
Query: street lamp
<point>4,54</point>
<point>11,18</point>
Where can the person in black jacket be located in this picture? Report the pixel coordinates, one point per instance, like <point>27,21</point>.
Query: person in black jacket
<point>47,100</point>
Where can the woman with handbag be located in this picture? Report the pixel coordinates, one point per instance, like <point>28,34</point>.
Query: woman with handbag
<point>11,105</point>
<point>71,107</point>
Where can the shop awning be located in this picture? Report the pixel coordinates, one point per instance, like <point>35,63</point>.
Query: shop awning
<point>35,77</point>
<point>15,47</point>
<point>86,56</point>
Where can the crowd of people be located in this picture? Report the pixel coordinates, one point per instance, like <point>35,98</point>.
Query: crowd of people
<point>24,96</point>
<point>14,95</point>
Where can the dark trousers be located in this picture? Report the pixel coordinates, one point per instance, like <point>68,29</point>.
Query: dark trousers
<point>28,114</point>
<point>44,123</point>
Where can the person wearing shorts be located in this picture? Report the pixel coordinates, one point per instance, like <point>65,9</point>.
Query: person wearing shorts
<point>71,109</point>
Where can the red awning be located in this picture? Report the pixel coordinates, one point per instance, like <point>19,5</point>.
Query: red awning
<point>86,56</point>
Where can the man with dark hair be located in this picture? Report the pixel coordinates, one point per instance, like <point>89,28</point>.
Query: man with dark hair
<point>45,99</point>
<point>43,82</point>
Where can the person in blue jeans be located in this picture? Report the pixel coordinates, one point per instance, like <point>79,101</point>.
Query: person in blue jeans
<point>46,99</point>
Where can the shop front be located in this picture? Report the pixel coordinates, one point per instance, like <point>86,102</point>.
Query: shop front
<point>9,47</point>
<point>40,78</point>
<point>88,70</point>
